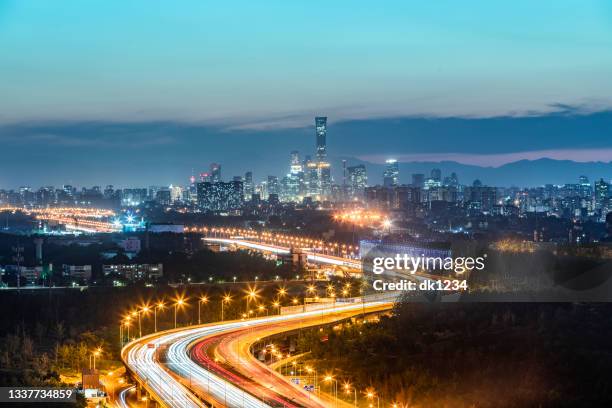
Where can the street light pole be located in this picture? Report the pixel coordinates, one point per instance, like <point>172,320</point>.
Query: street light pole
<point>203,299</point>
<point>160,305</point>
<point>175,307</point>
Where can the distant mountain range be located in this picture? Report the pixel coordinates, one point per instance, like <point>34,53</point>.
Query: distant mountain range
<point>523,173</point>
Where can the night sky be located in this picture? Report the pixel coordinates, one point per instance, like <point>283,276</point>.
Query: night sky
<point>140,93</point>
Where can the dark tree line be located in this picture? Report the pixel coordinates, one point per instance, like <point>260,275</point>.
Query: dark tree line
<point>477,355</point>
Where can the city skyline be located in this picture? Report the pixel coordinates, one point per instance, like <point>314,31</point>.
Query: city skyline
<point>166,153</point>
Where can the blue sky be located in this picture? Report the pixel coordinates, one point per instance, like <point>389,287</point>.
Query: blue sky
<point>279,62</point>
<point>140,92</point>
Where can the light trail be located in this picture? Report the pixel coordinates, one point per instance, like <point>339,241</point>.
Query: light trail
<point>75,218</point>
<point>122,402</point>
<point>177,381</point>
<point>312,256</point>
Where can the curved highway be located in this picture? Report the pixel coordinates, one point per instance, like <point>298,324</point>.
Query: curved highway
<point>162,363</point>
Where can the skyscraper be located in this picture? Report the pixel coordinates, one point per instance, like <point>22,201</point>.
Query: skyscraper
<point>293,183</point>
<point>273,185</point>
<point>215,172</point>
<point>249,188</point>
<point>436,174</point>
<point>357,180</point>
<point>321,129</point>
<point>391,173</point>
<point>602,195</point>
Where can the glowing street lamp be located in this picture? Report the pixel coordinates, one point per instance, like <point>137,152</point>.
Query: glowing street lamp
<point>145,310</point>
<point>159,305</point>
<point>371,394</point>
<point>251,295</point>
<point>179,303</point>
<point>330,379</point>
<point>203,299</point>
<point>226,299</point>
<point>347,390</point>
<point>94,354</point>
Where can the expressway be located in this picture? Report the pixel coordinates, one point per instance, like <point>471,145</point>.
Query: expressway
<point>314,257</point>
<point>175,367</point>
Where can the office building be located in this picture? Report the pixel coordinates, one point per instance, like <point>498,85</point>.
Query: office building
<point>391,173</point>
<point>135,271</point>
<point>215,173</point>
<point>321,131</point>
<point>357,180</point>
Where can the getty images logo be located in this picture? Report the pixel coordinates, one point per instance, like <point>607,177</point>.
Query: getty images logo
<point>412,264</point>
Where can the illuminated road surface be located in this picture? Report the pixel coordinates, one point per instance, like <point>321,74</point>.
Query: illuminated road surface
<point>228,354</point>
<point>177,381</point>
<point>122,402</point>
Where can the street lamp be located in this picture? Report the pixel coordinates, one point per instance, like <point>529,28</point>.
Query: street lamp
<point>251,295</point>
<point>370,394</point>
<point>95,354</point>
<point>226,298</point>
<point>203,299</point>
<point>277,305</point>
<point>262,308</point>
<point>145,310</point>
<point>347,390</point>
<point>159,305</point>
<point>330,378</point>
<point>127,323</point>
<point>179,303</point>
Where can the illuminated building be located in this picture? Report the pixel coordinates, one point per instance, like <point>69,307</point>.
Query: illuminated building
<point>249,187</point>
<point>585,187</point>
<point>602,195</point>
<point>480,198</point>
<point>220,196</point>
<point>132,197</point>
<point>391,198</point>
<point>163,196</point>
<point>77,272</point>
<point>215,172</point>
<point>357,180</point>
<point>176,193</point>
<point>293,183</point>
<point>321,130</point>
<point>325,179</point>
<point>273,185</point>
<point>311,178</point>
<point>431,184</point>
<point>436,174</point>
<point>391,173</point>
<point>135,271</point>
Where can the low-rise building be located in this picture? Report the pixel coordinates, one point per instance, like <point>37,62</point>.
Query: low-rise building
<point>135,271</point>
<point>78,272</point>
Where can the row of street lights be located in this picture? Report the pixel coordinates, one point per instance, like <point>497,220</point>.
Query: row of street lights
<point>252,294</point>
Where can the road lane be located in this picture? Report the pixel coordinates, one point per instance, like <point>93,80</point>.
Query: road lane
<point>162,364</point>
